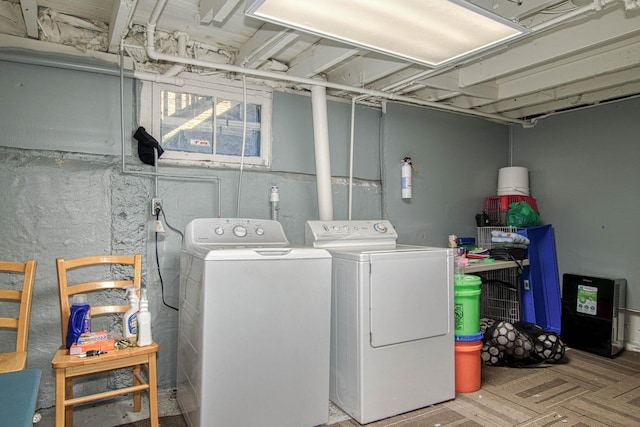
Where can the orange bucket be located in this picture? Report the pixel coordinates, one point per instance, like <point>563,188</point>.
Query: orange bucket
<point>468,366</point>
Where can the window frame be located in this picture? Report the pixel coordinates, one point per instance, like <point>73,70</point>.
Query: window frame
<point>226,89</point>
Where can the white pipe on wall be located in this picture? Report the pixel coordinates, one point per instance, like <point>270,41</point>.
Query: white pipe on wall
<point>272,75</point>
<point>95,69</point>
<point>182,51</point>
<point>323,159</point>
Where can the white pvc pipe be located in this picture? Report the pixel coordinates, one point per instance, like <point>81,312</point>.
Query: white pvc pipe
<point>323,160</point>
<point>352,138</point>
<point>95,69</point>
<point>158,56</point>
<point>182,51</point>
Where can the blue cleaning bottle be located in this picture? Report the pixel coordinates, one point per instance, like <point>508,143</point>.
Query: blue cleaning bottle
<point>79,318</point>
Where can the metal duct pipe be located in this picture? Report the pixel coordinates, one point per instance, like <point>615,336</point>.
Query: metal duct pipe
<point>323,158</point>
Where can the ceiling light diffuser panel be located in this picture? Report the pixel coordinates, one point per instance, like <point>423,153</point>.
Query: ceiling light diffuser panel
<point>429,32</point>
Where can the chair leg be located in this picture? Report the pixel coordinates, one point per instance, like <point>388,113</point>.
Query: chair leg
<point>137,396</point>
<point>60,397</point>
<point>68,410</point>
<point>153,391</point>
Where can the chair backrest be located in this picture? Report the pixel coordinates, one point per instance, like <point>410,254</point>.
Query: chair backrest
<point>22,297</point>
<point>122,271</point>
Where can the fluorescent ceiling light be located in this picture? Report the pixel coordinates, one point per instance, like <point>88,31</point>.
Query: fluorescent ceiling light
<point>429,32</point>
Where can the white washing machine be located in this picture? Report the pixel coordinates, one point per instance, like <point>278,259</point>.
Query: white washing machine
<point>254,325</point>
<point>392,320</point>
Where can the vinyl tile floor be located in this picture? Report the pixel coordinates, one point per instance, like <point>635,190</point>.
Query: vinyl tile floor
<point>119,411</point>
<point>586,390</point>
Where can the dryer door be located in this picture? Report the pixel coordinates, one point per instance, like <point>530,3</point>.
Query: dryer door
<point>411,296</point>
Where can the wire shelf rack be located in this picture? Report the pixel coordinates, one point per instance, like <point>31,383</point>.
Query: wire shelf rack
<point>500,296</point>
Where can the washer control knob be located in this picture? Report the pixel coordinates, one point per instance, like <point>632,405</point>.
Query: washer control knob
<point>260,231</point>
<point>219,231</point>
<point>380,227</point>
<point>239,231</point>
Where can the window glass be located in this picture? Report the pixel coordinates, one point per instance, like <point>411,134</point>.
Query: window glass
<point>229,129</point>
<point>186,122</point>
<point>207,123</point>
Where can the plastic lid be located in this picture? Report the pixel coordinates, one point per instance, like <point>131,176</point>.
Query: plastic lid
<point>470,338</point>
<point>467,280</point>
<point>79,299</point>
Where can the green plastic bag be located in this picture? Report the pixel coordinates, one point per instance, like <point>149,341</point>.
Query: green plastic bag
<point>522,215</point>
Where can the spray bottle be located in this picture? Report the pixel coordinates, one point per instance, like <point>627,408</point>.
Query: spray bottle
<point>79,318</point>
<point>130,317</point>
<point>144,321</point>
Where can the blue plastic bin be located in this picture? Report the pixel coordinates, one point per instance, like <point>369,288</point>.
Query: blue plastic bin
<point>540,301</point>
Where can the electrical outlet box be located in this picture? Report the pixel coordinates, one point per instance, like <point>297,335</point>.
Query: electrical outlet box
<point>156,206</point>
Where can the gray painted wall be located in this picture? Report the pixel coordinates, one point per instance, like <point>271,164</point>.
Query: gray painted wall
<point>584,173</point>
<point>457,157</point>
<point>64,194</point>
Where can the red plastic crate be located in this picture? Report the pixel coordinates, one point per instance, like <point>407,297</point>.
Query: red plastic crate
<point>498,206</point>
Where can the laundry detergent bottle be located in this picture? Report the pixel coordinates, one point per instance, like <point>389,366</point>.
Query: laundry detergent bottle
<point>144,321</point>
<point>130,317</point>
<point>79,318</point>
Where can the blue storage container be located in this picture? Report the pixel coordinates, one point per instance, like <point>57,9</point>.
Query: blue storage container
<point>540,283</point>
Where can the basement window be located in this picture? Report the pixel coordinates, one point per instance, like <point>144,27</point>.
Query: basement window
<point>194,123</point>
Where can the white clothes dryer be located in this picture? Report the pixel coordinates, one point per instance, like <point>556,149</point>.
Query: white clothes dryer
<point>254,322</point>
<point>392,320</point>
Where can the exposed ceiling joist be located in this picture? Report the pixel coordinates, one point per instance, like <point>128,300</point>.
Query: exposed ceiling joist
<point>216,10</point>
<point>121,14</point>
<point>587,68</point>
<point>592,98</point>
<point>578,51</point>
<point>321,57</point>
<point>30,15</point>
<point>449,82</point>
<point>265,43</point>
<point>365,69</point>
<point>574,89</point>
<point>554,45</point>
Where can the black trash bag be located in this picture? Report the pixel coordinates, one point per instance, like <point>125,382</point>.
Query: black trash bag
<point>146,145</point>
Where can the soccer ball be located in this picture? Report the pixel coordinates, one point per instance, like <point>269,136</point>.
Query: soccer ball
<point>549,347</point>
<point>504,336</point>
<point>522,348</point>
<point>486,324</point>
<point>491,355</point>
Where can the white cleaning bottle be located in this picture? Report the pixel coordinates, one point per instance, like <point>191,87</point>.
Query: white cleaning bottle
<point>130,317</point>
<point>144,321</point>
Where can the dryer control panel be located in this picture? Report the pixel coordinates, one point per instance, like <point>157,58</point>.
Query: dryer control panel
<point>234,232</point>
<point>355,233</point>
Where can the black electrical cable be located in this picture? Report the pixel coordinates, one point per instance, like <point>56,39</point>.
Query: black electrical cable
<point>158,261</point>
<point>518,263</point>
<point>169,225</point>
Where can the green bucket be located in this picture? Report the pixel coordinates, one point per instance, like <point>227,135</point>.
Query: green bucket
<point>467,310</point>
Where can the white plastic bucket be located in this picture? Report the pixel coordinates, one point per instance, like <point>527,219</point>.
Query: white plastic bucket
<point>513,180</point>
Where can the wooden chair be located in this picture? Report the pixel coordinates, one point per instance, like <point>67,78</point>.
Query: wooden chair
<point>68,367</point>
<point>17,360</point>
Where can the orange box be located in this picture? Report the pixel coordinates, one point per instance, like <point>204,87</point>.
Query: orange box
<point>99,341</point>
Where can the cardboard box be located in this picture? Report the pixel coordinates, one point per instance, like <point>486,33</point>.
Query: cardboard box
<point>98,341</point>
